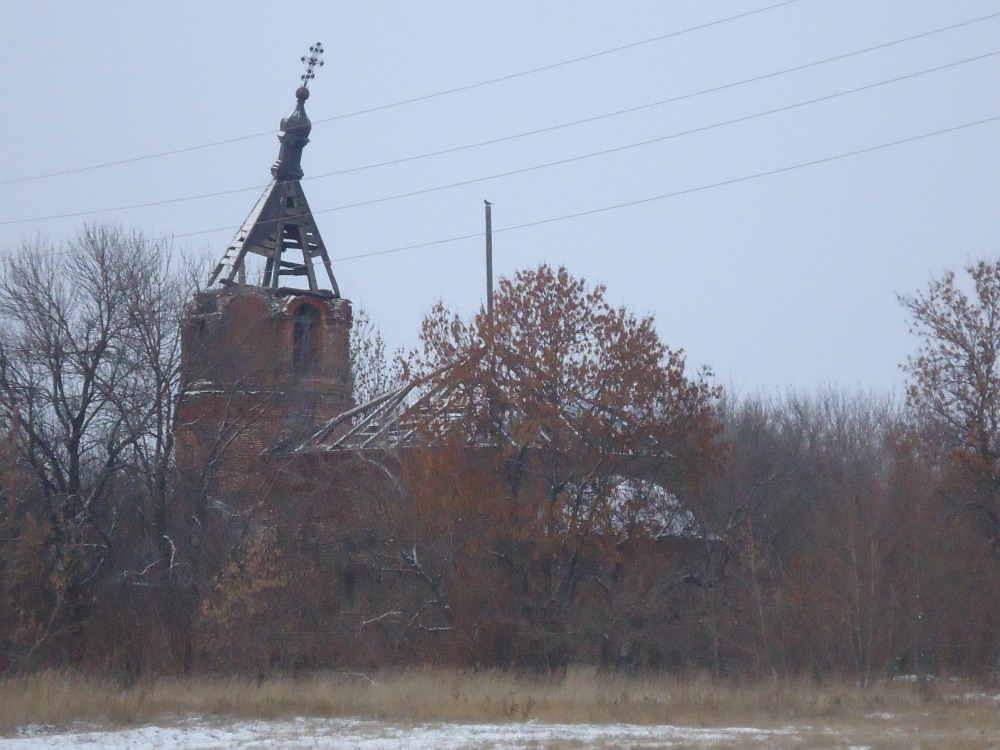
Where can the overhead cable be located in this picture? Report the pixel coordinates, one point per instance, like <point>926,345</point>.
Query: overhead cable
<point>534,167</point>
<point>675,194</point>
<point>664,196</point>
<point>412,100</point>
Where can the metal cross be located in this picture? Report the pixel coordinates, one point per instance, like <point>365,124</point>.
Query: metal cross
<point>312,61</point>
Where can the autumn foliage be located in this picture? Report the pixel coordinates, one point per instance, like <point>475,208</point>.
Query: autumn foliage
<point>569,492</point>
<point>567,435</point>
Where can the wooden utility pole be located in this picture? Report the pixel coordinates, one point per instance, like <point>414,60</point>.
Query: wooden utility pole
<point>489,264</point>
<point>491,394</point>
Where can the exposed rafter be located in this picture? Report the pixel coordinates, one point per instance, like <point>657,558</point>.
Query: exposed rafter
<point>391,420</point>
<point>281,228</point>
<point>280,222</point>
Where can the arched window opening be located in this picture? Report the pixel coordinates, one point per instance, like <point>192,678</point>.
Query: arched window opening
<point>305,338</point>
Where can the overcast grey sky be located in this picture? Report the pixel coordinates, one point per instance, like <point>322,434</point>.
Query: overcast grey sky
<point>773,280</point>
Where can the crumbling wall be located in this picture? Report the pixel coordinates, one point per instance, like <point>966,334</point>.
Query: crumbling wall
<point>258,366</point>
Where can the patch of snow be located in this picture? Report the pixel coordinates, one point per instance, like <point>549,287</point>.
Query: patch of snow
<point>982,697</point>
<point>364,734</point>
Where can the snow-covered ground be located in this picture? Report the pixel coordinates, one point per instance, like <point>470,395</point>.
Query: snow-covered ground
<point>359,734</point>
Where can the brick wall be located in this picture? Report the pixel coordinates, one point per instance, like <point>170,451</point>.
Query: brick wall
<point>258,367</point>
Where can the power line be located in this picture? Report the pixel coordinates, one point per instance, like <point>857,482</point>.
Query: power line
<point>412,100</point>
<point>536,167</point>
<point>552,66</point>
<point>678,193</point>
<point>640,201</point>
<point>628,204</point>
<point>132,206</point>
<point>492,141</point>
<point>658,139</point>
<point>649,105</point>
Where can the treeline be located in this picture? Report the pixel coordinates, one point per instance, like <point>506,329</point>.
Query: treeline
<point>576,495</point>
<point>848,545</point>
<point>827,542</point>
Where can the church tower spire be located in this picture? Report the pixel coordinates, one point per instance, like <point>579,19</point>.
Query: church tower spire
<point>281,227</point>
<point>264,362</point>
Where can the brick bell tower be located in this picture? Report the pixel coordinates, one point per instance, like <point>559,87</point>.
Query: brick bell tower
<point>261,363</point>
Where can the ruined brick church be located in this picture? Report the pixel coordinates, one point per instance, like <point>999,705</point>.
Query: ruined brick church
<point>360,534</point>
<point>264,359</point>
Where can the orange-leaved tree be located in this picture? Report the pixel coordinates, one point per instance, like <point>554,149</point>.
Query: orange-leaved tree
<point>954,393</point>
<point>591,431</point>
<point>955,381</point>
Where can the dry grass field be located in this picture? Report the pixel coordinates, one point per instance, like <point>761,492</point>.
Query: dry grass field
<point>950,715</point>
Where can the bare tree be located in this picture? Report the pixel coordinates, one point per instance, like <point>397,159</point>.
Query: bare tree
<point>374,373</point>
<point>89,357</point>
